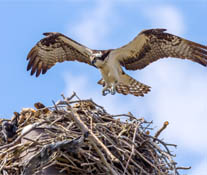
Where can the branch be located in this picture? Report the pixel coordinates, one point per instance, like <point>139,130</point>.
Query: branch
<point>165,124</point>
<point>42,158</point>
<point>92,137</point>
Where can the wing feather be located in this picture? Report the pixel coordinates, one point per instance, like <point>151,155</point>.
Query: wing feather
<point>55,47</point>
<point>151,45</point>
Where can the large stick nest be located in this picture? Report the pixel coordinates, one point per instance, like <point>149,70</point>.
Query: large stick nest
<point>80,137</point>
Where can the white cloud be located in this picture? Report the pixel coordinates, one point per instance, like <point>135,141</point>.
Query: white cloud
<point>87,89</point>
<point>92,29</point>
<point>178,88</point>
<point>165,16</point>
<point>201,169</point>
<point>179,97</point>
<point>93,25</point>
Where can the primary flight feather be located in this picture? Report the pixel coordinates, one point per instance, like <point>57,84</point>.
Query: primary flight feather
<point>147,47</point>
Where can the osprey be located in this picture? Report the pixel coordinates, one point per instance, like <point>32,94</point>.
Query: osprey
<point>147,47</point>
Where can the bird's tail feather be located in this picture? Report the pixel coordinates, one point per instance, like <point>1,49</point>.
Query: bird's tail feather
<point>129,85</point>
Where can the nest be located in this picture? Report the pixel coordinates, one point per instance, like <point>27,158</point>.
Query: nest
<point>79,137</point>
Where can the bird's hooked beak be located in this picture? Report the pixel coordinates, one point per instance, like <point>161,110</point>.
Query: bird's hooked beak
<point>95,57</point>
<point>93,62</point>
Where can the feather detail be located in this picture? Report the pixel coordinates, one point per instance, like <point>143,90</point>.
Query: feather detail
<point>154,44</point>
<point>56,47</point>
<point>129,85</point>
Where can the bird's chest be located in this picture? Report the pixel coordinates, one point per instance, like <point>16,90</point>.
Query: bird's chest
<point>110,72</point>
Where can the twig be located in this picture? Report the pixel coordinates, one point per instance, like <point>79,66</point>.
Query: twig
<point>183,168</point>
<point>71,97</point>
<point>114,146</point>
<point>165,124</point>
<point>92,136</point>
<point>31,140</point>
<point>44,155</point>
<point>132,152</point>
<point>103,159</point>
<point>55,106</point>
<point>131,117</point>
<point>163,143</point>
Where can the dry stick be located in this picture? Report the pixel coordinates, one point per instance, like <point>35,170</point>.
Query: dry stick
<point>140,155</point>
<point>125,115</point>
<point>163,143</point>
<point>77,97</point>
<point>58,119</point>
<point>88,100</point>
<point>135,163</point>
<point>92,136</point>
<point>183,168</point>
<point>103,159</point>
<point>147,127</point>
<point>31,140</point>
<point>152,165</point>
<point>132,152</point>
<point>27,119</point>
<point>161,129</point>
<point>71,97</point>
<point>166,158</point>
<point>68,98</point>
<point>55,106</point>
<point>172,163</point>
<point>3,162</point>
<point>98,106</point>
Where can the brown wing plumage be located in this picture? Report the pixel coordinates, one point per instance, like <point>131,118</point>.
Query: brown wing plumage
<point>55,47</point>
<point>151,45</point>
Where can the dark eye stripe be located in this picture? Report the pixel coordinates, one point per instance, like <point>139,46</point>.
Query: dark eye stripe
<point>105,54</point>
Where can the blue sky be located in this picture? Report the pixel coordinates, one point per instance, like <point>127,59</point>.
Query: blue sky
<point>178,87</point>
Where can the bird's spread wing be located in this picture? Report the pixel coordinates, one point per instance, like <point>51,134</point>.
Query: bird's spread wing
<point>55,47</point>
<point>151,45</point>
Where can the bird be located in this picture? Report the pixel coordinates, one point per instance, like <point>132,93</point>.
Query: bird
<point>9,129</point>
<point>148,46</point>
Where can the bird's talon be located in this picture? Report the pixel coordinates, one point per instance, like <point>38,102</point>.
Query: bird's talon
<point>113,92</point>
<point>105,92</point>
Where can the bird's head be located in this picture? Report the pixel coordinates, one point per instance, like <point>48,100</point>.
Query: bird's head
<point>98,58</point>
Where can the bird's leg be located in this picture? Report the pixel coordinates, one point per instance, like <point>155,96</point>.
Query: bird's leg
<point>113,88</point>
<point>105,90</point>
